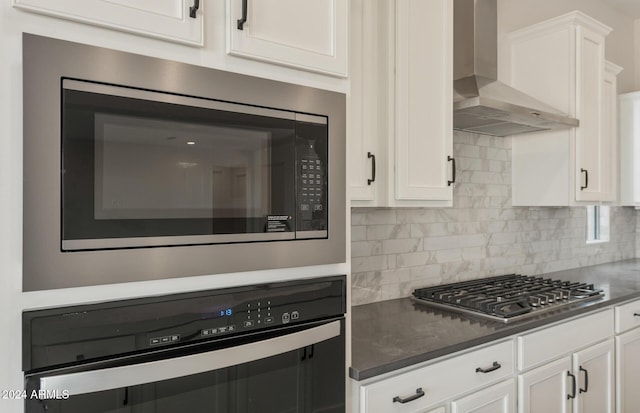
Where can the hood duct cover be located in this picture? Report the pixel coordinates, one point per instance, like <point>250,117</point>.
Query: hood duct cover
<point>481,103</point>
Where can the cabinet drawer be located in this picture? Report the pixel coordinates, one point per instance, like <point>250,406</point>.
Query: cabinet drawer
<point>439,381</point>
<point>550,343</point>
<point>627,316</point>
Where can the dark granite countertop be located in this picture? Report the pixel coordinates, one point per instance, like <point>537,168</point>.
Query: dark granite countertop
<point>390,335</point>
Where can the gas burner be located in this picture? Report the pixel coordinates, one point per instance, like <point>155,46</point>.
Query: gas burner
<point>506,297</point>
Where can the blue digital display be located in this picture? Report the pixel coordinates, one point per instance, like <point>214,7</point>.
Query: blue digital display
<point>226,312</point>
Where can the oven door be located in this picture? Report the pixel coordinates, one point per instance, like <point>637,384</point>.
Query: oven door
<point>292,371</point>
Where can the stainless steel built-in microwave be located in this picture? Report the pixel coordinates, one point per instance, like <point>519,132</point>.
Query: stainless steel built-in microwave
<point>139,168</point>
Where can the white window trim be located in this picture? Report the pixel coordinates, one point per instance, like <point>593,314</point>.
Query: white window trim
<point>598,224</point>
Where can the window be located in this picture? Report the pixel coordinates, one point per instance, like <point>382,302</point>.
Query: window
<point>597,223</point>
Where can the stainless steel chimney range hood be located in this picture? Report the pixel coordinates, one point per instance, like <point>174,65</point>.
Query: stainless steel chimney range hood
<point>481,103</point>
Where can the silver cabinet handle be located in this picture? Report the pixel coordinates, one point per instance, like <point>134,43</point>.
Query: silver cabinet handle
<point>132,375</point>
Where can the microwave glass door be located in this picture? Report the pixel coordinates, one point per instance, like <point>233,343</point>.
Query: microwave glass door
<point>143,168</point>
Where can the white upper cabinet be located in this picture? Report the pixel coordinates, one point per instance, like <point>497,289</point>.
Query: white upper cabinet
<point>609,144</point>
<point>402,101</point>
<point>629,106</point>
<point>306,34</point>
<point>366,49</point>
<point>561,62</point>
<point>174,20</point>
<point>423,101</point>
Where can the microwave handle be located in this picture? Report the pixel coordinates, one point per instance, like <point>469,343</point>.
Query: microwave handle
<point>132,375</point>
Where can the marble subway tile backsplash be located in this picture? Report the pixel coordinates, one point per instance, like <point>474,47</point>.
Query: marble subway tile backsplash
<point>394,250</point>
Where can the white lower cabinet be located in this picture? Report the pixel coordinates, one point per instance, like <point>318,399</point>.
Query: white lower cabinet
<point>569,367</point>
<point>593,369</point>
<point>628,357</point>
<point>544,389</point>
<point>582,383</point>
<point>500,398</point>
<point>575,366</point>
<point>432,387</point>
<point>628,372</point>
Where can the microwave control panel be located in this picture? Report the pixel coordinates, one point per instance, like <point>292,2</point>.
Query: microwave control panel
<point>311,186</point>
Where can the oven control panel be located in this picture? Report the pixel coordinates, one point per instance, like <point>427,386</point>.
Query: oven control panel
<point>253,315</point>
<point>65,335</point>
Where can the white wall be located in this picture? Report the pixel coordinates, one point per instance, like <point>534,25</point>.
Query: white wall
<point>12,301</point>
<point>516,14</point>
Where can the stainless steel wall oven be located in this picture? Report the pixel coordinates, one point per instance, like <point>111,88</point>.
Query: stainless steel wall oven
<point>139,168</point>
<point>271,348</point>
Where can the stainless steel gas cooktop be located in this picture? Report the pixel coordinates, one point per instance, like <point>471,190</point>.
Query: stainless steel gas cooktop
<point>506,297</point>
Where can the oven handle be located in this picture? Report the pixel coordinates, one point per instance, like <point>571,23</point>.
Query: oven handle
<point>142,373</point>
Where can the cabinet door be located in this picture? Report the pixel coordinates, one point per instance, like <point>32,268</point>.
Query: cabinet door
<point>629,110</point>
<point>550,168</point>
<point>365,159</point>
<point>174,20</point>
<point>589,140</point>
<point>545,389</point>
<point>423,99</point>
<point>308,34</point>
<point>593,368</point>
<point>609,141</point>
<point>497,399</point>
<point>628,372</point>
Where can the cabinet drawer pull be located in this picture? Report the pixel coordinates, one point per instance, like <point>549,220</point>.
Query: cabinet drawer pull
<point>586,179</point>
<point>243,20</point>
<point>573,387</point>
<point>636,314</point>
<point>193,9</point>
<point>453,170</point>
<point>586,381</point>
<point>373,168</point>
<point>495,366</point>
<point>403,400</point>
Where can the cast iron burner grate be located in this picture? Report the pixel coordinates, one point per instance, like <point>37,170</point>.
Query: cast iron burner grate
<point>506,297</point>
